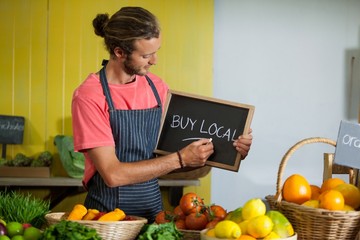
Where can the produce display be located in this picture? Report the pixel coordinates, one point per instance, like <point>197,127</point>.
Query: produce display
<point>334,194</point>
<point>44,159</point>
<point>22,217</point>
<point>250,221</point>
<point>192,213</point>
<point>165,231</point>
<point>23,208</point>
<point>65,230</point>
<point>80,212</point>
<point>19,231</point>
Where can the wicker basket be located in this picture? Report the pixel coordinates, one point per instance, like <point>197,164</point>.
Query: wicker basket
<point>190,234</point>
<point>112,230</point>
<point>314,223</point>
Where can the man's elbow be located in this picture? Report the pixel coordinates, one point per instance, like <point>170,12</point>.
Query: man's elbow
<point>111,181</point>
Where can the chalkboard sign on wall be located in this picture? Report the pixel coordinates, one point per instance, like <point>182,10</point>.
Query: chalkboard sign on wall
<point>188,118</point>
<point>11,129</point>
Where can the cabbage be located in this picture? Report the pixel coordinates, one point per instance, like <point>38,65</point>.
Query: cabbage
<point>73,162</point>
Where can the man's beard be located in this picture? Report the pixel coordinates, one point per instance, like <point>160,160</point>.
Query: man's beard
<point>131,69</point>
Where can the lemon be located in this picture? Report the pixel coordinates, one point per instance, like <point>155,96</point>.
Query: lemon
<point>253,208</point>
<point>272,235</point>
<point>348,208</point>
<point>243,226</point>
<point>260,226</point>
<point>311,203</point>
<point>227,229</point>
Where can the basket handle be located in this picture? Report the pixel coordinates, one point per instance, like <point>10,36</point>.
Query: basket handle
<point>286,157</point>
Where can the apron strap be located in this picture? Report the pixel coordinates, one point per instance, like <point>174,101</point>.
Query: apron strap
<point>106,89</point>
<point>154,90</point>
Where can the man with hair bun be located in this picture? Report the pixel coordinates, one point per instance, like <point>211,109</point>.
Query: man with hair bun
<point>116,115</point>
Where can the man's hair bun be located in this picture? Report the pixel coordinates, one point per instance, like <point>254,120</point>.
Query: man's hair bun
<point>99,24</point>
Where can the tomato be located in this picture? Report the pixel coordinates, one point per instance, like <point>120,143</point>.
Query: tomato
<point>212,223</point>
<point>99,215</point>
<point>180,224</point>
<point>129,218</point>
<point>216,211</point>
<point>190,203</point>
<point>196,221</point>
<point>179,213</point>
<point>164,217</point>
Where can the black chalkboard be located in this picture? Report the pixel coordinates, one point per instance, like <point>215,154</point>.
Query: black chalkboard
<point>11,129</point>
<point>189,117</point>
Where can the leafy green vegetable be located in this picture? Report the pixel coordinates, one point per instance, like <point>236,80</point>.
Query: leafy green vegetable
<point>164,231</point>
<point>3,162</point>
<point>43,160</point>
<point>18,207</point>
<point>73,162</point>
<point>21,160</point>
<point>66,230</point>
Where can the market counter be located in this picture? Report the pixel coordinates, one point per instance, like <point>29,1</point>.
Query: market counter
<point>62,187</point>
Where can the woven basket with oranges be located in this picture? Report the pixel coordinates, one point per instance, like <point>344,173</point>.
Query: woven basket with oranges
<point>321,212</point>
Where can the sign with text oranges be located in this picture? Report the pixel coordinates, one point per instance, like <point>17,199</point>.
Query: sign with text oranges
<point>347,151</point>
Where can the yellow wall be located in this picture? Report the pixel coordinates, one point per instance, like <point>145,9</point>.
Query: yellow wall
<point>48,48</point>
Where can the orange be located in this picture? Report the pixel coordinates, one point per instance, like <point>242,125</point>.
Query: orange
<point>246,237</point>
<point>296,189</point>
<point>331,200</point>
<point>330,183</point>
<point>315,192</point>
<point>351,194</point>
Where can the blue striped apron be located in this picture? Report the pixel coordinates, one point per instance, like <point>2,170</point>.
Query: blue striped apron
<point>135,133</point>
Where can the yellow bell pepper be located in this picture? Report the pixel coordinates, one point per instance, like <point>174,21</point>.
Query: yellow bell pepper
<point>77,213</point>
<point>116,215</point>
<point>91,214</point>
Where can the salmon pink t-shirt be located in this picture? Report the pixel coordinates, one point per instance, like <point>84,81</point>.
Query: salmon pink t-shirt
<point>90,115</point>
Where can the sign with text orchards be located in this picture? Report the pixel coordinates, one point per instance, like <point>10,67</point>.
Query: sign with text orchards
<point>347,151</point>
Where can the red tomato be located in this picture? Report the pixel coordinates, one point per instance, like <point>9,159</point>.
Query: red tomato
<point>191,202</point>
<point>129,218</point>
<point>216,211</point>
<point>164,217</point>
<point>211,224</point>
<point>99,215</point>
<point>179,213</point>
<point>196,221</point>
<point>180,224</point>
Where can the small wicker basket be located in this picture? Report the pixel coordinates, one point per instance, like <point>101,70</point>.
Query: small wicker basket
<point>190,234</point>
<point>109,230</point>
<point>314,223</point>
